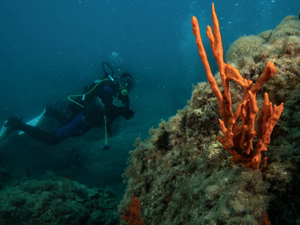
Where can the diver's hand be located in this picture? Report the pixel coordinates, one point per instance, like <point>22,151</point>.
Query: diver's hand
<point>129,114</point>
<point>117,102</point>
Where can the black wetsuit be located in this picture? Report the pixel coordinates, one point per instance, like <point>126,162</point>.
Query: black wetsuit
<point>104,101</point>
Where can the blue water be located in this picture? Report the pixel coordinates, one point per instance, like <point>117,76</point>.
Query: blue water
<point>53,48</point>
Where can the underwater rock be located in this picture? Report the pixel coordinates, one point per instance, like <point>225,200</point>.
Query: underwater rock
<point>182,175</point>
<point>56,200</point>
<point>246,46</point>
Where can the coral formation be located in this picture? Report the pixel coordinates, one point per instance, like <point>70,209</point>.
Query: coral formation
<point>181,173</point>
<point>56,200</point>
<point>239,137</point>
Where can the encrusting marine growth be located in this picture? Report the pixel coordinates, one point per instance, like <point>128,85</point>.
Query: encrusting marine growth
<point>238,139</point>
<point>133,216</point>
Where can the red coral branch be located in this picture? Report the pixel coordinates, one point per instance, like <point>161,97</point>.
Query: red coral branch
<point>238,139</point>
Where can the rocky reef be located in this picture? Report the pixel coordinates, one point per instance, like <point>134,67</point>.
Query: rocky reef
<point>54,200</point>
<point>182,175</point>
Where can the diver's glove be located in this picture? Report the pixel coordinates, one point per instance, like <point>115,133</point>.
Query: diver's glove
<point>117,102</point>
<point>129,114</point>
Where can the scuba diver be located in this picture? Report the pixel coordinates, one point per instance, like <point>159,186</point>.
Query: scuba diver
<point>101,103</point>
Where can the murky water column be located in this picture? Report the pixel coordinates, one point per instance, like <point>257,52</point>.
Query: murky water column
<point>264,9</point>
<point>187,44</point>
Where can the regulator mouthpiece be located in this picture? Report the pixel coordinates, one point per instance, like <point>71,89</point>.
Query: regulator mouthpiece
<point>124,92</point>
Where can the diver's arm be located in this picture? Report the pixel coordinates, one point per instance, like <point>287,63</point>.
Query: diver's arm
<point>127,113</point>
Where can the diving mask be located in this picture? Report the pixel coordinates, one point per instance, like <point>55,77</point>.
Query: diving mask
<point>125,83</point>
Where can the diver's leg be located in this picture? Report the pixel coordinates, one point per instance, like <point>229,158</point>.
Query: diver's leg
<point>40,135</point>
<point>14,123</point>
<point>76,127</point>
<point>56,115</point>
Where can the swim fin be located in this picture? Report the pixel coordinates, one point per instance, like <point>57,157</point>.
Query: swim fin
<point>7,130</point>
<point>34,121</point>
<point>4,132</point>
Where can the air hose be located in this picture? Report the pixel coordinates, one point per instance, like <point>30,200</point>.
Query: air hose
<point>83,95</point>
